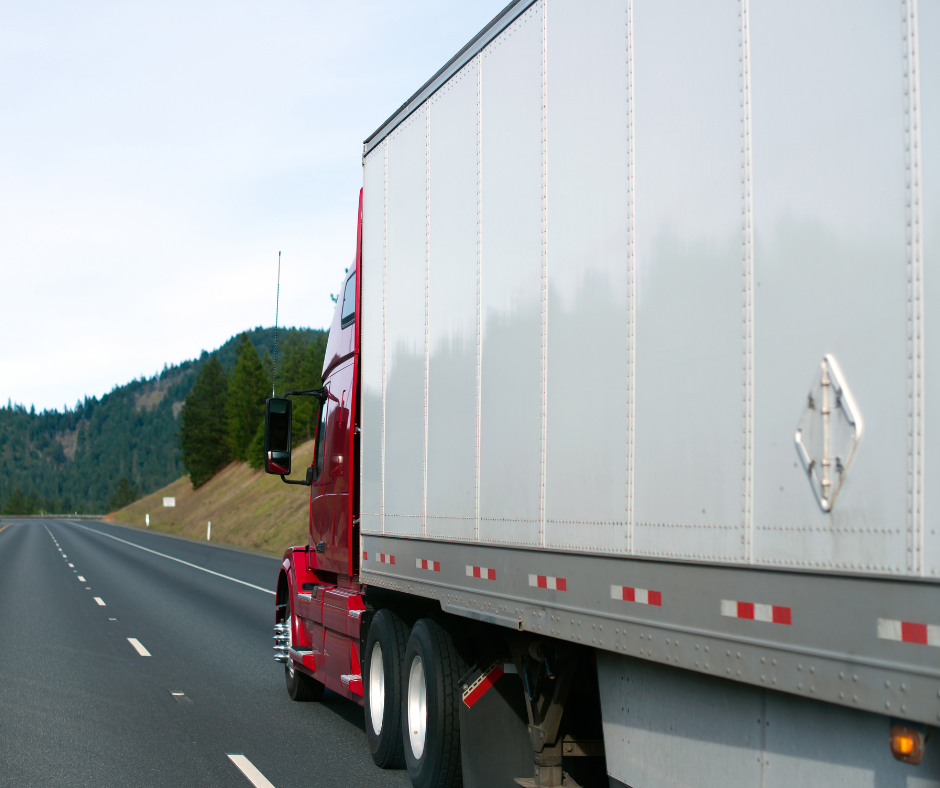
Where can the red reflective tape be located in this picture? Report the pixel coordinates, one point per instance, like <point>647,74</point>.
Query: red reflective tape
<point>542,581</point>
<point>437,566</point>
<point>365,556</point>
<point>629,594</point>
<point>392,559</point>
<point>914,633</point>
<point>561,584</point>
<point>491,575</point>
<point>781,615</point>
<point>476,571</point>
<point>655,598</point>
<point>480,689</point>
<point>746,610</point>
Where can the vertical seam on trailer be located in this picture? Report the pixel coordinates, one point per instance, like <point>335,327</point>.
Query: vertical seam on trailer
<point>543,458</point>
<point>747,495</point>
<point>631,283</point>
<point>915,285</point>
<point>362,465</point>
<point>479,380</point>
<point>384,319</point>
<point>427,306</point>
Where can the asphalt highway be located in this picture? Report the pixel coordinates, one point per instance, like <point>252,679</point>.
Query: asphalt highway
<point>122,667</point>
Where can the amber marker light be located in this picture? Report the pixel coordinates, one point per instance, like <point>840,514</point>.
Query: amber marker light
<point>907,744</point>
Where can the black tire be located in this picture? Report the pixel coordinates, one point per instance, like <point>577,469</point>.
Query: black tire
<point>438,763</point>
<point>388,633</point>
<point>300,686</point>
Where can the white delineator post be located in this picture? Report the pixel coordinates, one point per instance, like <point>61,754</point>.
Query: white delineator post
<point>147,519</point>
<point>209,530</point>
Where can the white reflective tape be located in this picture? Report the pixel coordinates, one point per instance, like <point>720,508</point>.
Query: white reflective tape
<point>889,629</point>
<point>534,580</point>
<point>764,613</point>
<point>616,592</point>
<point>469,571</point>
<point>642,596</point>
<point>418,564</point>
<point>933,635</point>
<point>729,607</point>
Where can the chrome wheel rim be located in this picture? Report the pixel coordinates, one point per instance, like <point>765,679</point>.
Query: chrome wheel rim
<point>417,707</point>
<point>377,688</point>
<point>290,644</point>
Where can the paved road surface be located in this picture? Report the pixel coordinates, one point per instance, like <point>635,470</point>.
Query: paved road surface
<point>79,706</point>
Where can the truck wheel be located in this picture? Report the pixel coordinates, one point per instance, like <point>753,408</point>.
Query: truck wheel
<point>384,657</point>
<point>430,714</point>
<point>300,686</point>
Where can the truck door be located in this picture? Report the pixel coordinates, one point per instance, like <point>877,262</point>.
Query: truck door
<point>319,527</point>
<point>329,508</point>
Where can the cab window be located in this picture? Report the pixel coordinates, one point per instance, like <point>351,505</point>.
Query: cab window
<point>321,441</point>
<point>349,303</point>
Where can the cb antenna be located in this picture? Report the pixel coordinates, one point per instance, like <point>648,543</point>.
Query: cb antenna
<point>277,305</point>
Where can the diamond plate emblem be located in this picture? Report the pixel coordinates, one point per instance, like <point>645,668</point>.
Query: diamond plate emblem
<point>828,433</point>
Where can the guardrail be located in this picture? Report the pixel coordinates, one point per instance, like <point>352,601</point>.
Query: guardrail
<point>52,516</point>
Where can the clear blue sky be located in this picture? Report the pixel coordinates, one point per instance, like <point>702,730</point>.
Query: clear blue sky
<point>155,156</point>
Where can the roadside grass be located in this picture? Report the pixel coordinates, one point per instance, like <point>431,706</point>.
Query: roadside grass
<point>246,507</point>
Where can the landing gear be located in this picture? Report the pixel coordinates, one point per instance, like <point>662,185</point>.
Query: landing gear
<point>430,712</point>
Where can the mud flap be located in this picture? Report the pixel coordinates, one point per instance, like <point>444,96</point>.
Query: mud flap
<point>494,738</point>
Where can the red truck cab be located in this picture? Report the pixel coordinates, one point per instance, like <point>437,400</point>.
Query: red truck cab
<point>319,599</point>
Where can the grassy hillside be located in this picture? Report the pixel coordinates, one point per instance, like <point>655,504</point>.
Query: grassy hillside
<point>247,507</point>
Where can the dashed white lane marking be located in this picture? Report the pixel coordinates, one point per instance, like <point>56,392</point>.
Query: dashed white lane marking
<point>112,619</point>
<point>178,560</point>
<point>81,578</point>
<point>71,566</point>
<point>250,771</point>
<point>137,645</point>
<point>100,601</point>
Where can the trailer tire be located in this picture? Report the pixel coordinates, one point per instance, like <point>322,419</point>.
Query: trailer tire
<point>431,699</point>
<point>385,651</point>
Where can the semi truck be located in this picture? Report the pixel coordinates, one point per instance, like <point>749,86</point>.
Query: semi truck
<point>622,472</point>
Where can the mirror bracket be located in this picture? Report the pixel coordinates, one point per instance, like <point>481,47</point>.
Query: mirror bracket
<point>308,482</point>
<point>321,394</point>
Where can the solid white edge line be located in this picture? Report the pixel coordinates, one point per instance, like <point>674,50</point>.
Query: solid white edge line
<point>139,647</point>
<point>250,771</point>
<point>178,560</point>
<point>100,601</point>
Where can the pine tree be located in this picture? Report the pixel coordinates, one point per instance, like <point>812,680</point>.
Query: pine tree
<point>256,449</point>
<point>303,364</point>
<point>247,391</point>
<point>123,495</point>
<point>203,433</point>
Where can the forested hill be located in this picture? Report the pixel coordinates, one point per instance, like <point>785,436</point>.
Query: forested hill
<point>104,453</point>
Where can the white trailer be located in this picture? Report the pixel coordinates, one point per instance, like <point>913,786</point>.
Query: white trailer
<point>648,302</point>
